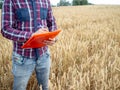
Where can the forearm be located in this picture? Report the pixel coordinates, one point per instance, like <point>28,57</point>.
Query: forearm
<point>51,22</point>
<point>15,35</point>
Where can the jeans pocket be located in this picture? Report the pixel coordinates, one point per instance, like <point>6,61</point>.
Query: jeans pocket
<point>43,13</point>
<point>22,14</point>
<point>47,53</point>
<point>17,59</point>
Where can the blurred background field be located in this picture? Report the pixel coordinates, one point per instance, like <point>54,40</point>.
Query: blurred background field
<point>87,55</point>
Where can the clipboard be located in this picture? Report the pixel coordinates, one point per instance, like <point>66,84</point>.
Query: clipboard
<point>36,41</point>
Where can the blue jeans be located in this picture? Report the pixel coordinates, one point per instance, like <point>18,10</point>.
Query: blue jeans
<point>22,69</point>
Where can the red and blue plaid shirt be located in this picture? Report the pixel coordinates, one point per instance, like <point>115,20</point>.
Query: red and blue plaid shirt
<point>18,22</point>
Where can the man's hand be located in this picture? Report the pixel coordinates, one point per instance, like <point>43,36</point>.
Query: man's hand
<point>47,42</point>
<point>50,41</point>
<point>43,30</point>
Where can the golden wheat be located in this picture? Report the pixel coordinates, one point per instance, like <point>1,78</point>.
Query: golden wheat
<point>87,55</point>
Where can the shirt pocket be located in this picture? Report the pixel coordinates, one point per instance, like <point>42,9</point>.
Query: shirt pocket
<point>43,13</point>
<point>22,14</point>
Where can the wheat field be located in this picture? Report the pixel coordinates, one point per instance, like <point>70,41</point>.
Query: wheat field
<point>87,55</point>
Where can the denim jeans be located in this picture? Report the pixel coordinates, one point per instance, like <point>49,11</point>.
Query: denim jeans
<point>22,69</point>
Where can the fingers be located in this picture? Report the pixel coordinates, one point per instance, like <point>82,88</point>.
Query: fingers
<point>53,39</point>
<point>50,41</point>
<point>47,42</point>
<point>43,30</point>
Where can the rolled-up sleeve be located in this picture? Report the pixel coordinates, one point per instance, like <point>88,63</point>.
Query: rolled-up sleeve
<point>8,21</point>
<point>51,22</point>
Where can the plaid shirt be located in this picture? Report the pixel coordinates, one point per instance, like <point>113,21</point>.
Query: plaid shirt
<point>21,18</point>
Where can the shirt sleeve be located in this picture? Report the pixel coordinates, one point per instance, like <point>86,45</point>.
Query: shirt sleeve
<point>51,23</point>
<point>8,21</point>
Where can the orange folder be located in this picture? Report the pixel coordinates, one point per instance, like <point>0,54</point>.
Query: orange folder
<point>36,41</point>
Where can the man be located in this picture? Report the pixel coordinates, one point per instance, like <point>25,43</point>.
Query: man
<point>20,20</point>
